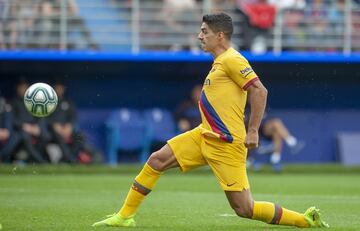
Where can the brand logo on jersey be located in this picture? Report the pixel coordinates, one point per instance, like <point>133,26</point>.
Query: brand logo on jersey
<point>229,185</point>
<point>207,82</point>
<point>246,71</point>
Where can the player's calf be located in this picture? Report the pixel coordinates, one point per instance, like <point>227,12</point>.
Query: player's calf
<point>244,212</point>
<point>241,202</point>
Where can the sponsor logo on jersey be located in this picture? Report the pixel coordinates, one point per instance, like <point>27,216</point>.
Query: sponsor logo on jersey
<point>245,72</point>
<point>207,82</point>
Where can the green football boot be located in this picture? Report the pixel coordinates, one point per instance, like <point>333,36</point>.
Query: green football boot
<point>115,220</point>
<point>313,217</point>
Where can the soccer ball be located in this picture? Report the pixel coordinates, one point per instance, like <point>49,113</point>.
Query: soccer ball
<point>40,99</point>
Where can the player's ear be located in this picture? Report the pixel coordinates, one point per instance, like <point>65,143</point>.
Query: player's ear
<point>220,35</point>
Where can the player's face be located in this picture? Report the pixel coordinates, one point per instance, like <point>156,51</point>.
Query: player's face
<point>60,90</point>
<point>207,37</point>
<point>21,88</point>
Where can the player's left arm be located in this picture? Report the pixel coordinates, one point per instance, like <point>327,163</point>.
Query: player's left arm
<point>257,95</point>
<point>243,75</point>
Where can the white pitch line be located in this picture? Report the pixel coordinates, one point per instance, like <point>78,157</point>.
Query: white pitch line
<point>227,215</point>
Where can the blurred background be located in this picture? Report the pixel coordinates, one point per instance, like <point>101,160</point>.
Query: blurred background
<point>126,72</point>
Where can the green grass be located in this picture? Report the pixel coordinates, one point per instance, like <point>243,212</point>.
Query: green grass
<point>72,198</point>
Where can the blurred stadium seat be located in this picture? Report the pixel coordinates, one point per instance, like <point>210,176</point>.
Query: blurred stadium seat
<point>348,147</point>
<point>135,132</point>
<point>91,122</point>
<point>160,127</point>
<point>125,132</point>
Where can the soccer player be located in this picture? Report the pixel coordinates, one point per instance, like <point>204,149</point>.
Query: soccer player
<point>187,113</point>
<point>221,140</point>
<point>274,130</point>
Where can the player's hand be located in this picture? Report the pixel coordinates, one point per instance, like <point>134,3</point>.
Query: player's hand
<point>252,139</point>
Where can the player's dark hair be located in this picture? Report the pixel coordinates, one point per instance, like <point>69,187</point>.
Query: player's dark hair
<point>220,22</point>
<point>22,80</point>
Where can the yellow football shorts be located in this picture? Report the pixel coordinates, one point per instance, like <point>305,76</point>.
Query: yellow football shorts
<point>227,160</point>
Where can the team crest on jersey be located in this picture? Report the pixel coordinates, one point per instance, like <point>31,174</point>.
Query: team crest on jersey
<point>245,72</point>
<point>213,69</point>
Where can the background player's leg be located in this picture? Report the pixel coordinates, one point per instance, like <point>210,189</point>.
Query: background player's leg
<point>276,155</point>
<point>245,206</point>
<point>277,127</point>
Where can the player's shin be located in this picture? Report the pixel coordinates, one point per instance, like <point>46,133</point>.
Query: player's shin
<point>142,186</point>
<point>274,214</point>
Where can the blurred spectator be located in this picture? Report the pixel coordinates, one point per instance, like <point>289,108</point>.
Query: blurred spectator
<point>5,126</point>
<point>36,24</point>
<point>356,28</point>
<point>317,17</point>
<point>260,17</point>
<point>75,24</point>
<point>9,18</point>
<point>65,135</point>
<point>337,21</point>
<point>274,130</point>
<point>8,139</point>
<point>187,114</point>
<point>32,131</point>
<point>288,4</point>
<point>62,125</point>
<point>222,5</point>
<point>179,17</point>
<point>26,16</point>
<point>47,26</point>
<point>294,34</point>
<point>4,8</point>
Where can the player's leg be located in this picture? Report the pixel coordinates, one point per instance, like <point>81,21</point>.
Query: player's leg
<point>277,144</point>
<point>144,182</point>
<point>277,127</point>
<point>30,148</point>
<point>8,149</point>
<point>228,164</point>
<point>273,129</point>
<point>245,206</point>
<point>182,151</point>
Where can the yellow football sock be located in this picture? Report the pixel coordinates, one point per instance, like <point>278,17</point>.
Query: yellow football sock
<point>142,186</point>
<point>274,214</point>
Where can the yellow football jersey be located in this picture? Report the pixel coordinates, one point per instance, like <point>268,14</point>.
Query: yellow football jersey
<point>223,97</point>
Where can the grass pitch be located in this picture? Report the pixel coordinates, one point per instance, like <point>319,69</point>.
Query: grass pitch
<point>72,198</point>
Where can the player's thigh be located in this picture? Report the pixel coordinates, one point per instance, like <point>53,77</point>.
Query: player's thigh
<point>228,162</point>
<point>186,148</point>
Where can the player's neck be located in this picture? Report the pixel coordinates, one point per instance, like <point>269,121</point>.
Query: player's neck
<point>220,49</point>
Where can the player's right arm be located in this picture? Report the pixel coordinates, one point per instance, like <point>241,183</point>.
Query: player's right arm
<point>257,95</point>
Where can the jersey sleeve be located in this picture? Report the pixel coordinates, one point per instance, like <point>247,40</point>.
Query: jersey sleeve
<point>240,71</point>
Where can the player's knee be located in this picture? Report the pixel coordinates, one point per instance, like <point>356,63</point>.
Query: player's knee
<point>277,122</point>
<point>155,161</point>
<point>243,211</point>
